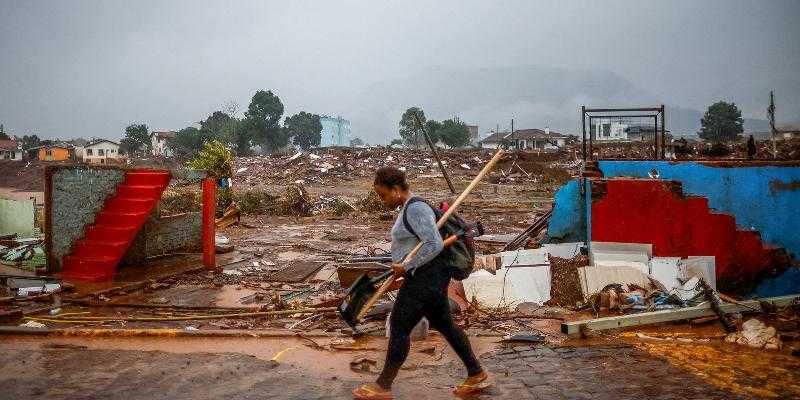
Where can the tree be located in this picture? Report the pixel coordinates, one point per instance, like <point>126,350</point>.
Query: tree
<point>454,133</point>
<point>396,142</point>
<point>215,124</point>
<point>263,117</point>
<point>31,141</point>
<point>305,129</point>
<point>137,140</point>
<point>186,142</point>
<point>215,159</point>
<point>432,127</point>
<point>356,142</point>
<point>721,123</point>
<point>409,127</point>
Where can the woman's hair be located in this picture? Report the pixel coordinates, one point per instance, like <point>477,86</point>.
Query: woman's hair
<point>391,177</point>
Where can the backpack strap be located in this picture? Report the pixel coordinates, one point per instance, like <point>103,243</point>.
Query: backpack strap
<point>405,217</point>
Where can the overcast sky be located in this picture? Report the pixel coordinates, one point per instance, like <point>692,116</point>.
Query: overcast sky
<point>90,68</point>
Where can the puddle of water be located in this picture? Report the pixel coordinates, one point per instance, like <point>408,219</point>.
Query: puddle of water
<point>231,295</point>
<point>739,369</point>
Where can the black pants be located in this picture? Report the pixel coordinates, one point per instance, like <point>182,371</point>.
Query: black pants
<point>423,295</point>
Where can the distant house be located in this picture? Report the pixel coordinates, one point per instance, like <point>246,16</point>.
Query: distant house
<point>159,143</point>
<point>100,152</point>
<point>52,152</point>
<point>788,132</point>
<point>335,131</point>
<point>524,139</point>
<point>606,129</point>
<point>10,149</point>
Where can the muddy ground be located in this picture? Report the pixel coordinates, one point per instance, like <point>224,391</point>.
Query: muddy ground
<point>312,357</point>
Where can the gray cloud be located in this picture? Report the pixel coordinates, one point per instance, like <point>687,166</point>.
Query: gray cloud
<point>89,68</point>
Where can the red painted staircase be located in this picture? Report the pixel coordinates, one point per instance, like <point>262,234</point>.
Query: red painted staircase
<point>95,257</point>
<point>657,212</point>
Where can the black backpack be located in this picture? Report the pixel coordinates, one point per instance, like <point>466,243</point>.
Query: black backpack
<point>460,256</point>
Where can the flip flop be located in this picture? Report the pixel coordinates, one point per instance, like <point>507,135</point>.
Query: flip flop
<point>465,389</point>
<point>364,392</point>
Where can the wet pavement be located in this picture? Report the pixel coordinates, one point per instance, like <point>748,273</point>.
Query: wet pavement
<point>215,369</point>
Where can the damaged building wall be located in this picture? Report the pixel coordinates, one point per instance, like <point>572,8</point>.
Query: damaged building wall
<point>760,195</point>
<point>73,196</point>
<point>166,235</point>
<point>568,222</point>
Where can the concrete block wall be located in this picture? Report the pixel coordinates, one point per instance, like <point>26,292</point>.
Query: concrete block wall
<point>74,194</point>
<point>165,235</point>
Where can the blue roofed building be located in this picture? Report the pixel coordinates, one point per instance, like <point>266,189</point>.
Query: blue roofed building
<point>335,131</point>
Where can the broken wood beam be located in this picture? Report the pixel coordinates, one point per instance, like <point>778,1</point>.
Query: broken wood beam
<point>711,296</point>
<point>654,317</point>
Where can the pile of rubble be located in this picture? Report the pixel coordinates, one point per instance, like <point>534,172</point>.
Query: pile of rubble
<point>330,166</point>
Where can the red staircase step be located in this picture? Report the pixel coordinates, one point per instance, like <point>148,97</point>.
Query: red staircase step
<point>95,269</point>
<point>147,178</point>
<point>120,219</point>
<point>107,232</point>
<point>105,248</point>
<point>129,205</point>
<point>139,191</point>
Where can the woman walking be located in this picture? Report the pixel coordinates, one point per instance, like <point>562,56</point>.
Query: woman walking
<point>424,290</point>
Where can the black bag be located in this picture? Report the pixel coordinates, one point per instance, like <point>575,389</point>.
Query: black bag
<point>460,256</point>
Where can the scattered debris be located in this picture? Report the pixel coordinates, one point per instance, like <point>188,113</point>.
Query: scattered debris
<point>755,334</point>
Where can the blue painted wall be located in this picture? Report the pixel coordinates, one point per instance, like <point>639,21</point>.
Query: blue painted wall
<point>765,198</point>
<point>568,223</point>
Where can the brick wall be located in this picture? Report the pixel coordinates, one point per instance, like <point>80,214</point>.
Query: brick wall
<point>165,235</point>
<point>73,196</point>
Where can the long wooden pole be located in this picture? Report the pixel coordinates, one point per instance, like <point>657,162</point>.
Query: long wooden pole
<point>435,153</point>
<point>452,209</point>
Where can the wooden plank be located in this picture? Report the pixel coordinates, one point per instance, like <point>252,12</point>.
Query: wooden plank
<point>654,317</point>
<point>296,272</point>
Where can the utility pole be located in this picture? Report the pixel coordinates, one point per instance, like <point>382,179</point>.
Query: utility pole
<point>771,117</point>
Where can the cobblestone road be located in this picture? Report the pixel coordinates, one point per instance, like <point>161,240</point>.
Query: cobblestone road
<point>522,372</point>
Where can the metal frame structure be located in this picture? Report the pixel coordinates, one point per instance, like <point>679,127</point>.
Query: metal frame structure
<point>652,112</point>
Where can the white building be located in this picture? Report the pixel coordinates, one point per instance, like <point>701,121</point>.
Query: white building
<point>159,143</point>
<point>335,131</point>
<point>100,152</point>
<point>525,139</point>
<point>10,149</point>
<point>606,129</point>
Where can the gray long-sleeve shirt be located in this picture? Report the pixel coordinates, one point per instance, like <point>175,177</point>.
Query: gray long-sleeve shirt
<point>423,221</point>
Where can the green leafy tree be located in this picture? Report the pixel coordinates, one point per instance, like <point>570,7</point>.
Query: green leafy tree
<point>263,117</point>
<point>454,133</point>
<point>238,135</point>
<point>186,142</point>
<point>305,129</point>
<point>408,126</point>
<point>215,159</point>
<point>136,140</point>
<point>30,141</point>
<point>396,142</point>
<point>356,142</point>
<point>722,122</point>
<point>432,127</point>
<point>215,125</point>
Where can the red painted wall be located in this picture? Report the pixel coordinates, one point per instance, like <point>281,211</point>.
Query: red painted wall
<point>655,211</point>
